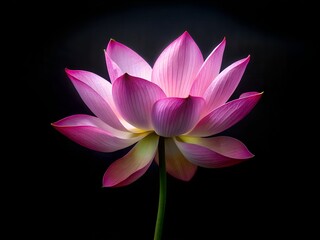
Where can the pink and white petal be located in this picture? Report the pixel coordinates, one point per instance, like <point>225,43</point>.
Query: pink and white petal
<point>209,70</point>
<point>96,93</point>
<point>226,116</point>
<point>209,153</point>
<point>133,165</point>
<point>177,66</point>
<point>221,89</point>
<point>247,94</point>
<point>121,59</point>
<point>176,164</point>
<point>135,176</point>
<point>93,133</point>
<point>226,146</point>
<point>175,116</point>
<point>134,98</point>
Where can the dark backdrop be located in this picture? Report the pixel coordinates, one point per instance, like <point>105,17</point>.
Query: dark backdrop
<point>250,200</point>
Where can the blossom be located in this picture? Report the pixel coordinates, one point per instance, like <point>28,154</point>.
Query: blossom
<point>183,99</point>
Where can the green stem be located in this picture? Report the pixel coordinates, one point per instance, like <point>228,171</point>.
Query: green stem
<point>163,190</point>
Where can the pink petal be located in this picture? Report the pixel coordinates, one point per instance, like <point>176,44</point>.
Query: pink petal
<point>176,163</point>
<point>134,98</point>
<point>96,93</point>
<point>220,90</point>
<point>92,133</point>
<point>226,116</point>
<point>120,59</point>
<point>133,165</point>
<point>213,152</point>
<point>177,66</point>
<point>175,116</point>
<point>135,176</point>
<point>209,70</point>
<point>247,94</point>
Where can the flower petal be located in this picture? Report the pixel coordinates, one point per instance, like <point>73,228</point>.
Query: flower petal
<point>96,93</point>
<point>226,116</point>
<point>247,94</point>
<point>133,165</point>
<point>220,90</point>
<point>135,176</point>
<point>177,66</point>
<point>120,59</point>
<point>213,152</point>
<point>176,164</point>
<point>134,98</point>
<point>175,116</point>
<point>209,70</point>
<point>92,133</point>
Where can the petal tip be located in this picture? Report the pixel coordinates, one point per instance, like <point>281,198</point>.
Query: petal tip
<point>222,44</point>
<point>105,185</point>
<point>247,154</point>
<point>243,61</point>
<point>106,181</point>
<point>112,41</point>
<point>111,44</point>
<point>70,72</point>
<point>187,178</point>
<point>186,35</point>
<point>259,94</point>
<point>126,76</point>
<point>59,124</point>
<point>56,124</point>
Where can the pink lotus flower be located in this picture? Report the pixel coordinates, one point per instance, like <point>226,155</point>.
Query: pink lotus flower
<point>183,98</point>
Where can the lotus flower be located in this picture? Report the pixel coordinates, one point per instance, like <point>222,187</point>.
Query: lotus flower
<point>183,99</point>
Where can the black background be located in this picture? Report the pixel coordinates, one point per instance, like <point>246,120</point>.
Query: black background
<point>255,199</point>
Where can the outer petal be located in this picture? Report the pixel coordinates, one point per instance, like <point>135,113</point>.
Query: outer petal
<point>96,93</point>
<point>177,66</point>
<point>175,116</point>
<point>120,59</point>
<point>176,163</point>
<point>92,133</point>
<point>133,165</point>
<point>209,70</point>
<point>214,152</point>
<point>224,85</point>
<point>226,116</point>
<point>134,98</point>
